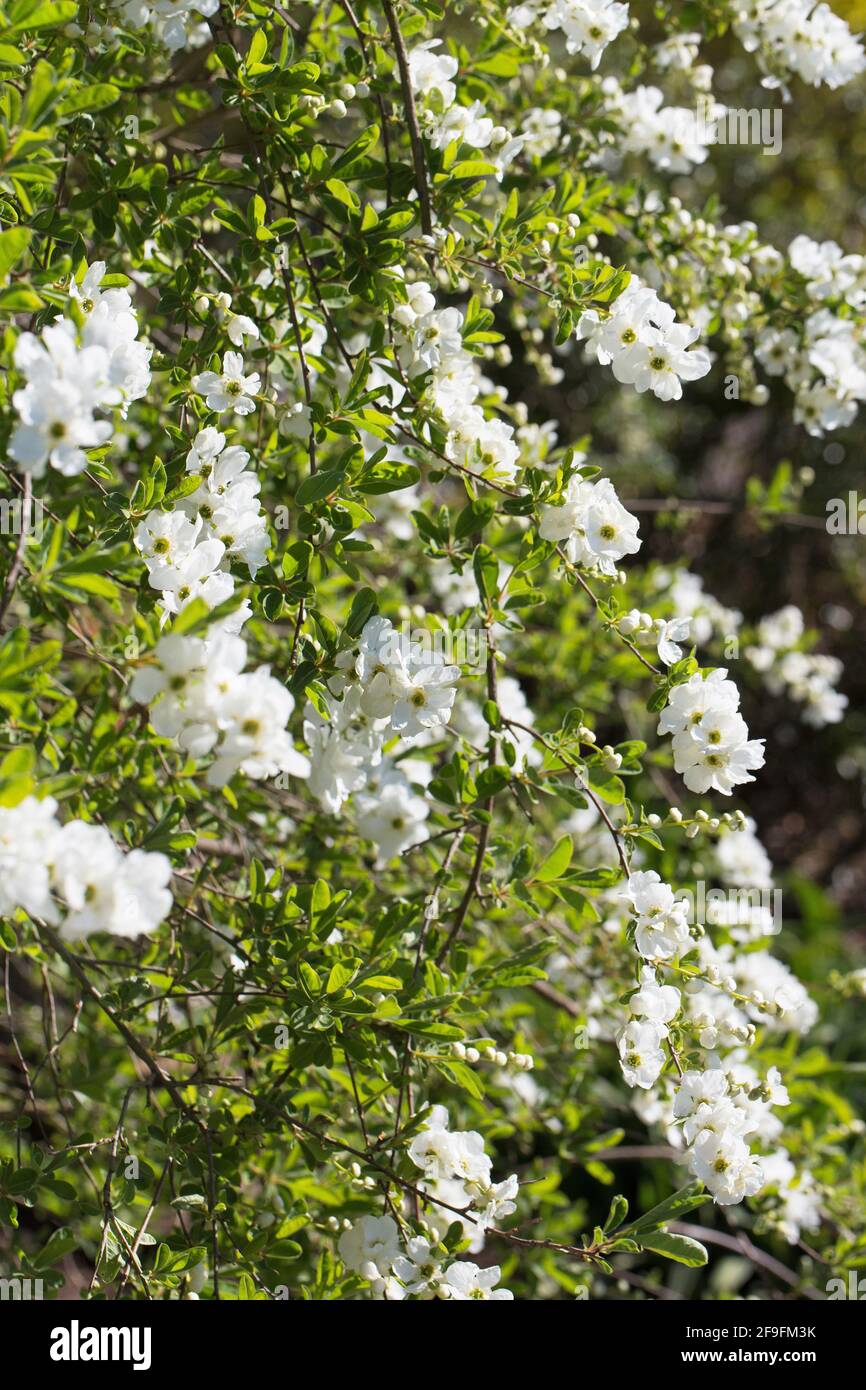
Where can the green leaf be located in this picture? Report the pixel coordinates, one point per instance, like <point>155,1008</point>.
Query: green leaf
<point>339,977</point>
<point>465,1077</point>
<point>59,1243</point>
<point>41,14</point>
<point>13,244</point>
<point>355,152</point>
<point>257,49</point>
<point>681,1201</point>
<point>491,781</point>
<point>319,485</point>
<point>89,99</point>
<point>344,195</point>
<point>556,863</point>
<point>674,1247</point>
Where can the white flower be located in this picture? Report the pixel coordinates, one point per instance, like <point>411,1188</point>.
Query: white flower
<point>171,681</point>
<point>392,817</point>
<point>588,25</point>
<point>230,389</point>
<point>239,327</point>
<point>419,303</point>
<point>165,540</point>
<point>464,1280</point>
<point>202,697</point>
<point>660,362</point>
<point>252,716</point>
<point>175,23</point>
<point>65,385</point>
<point>197,575</point>
<point>498,1200</point>
<point>644,345</point>
<point>370,1246</point>
<point>338,762</point>
<point>541,131</point>
<point>443,1153</point>
<point>598,529</point>
<point>662,929</point>
<point>640,1051</point>
<point>426,702</point>
<point>28,833</point>
<point>464,124</point>
<point>419,1270</point>
<point>655,1002</point>
<point>206,447</point>
<point>689,702</point>
<point>699,1088</point>
<point>726,1165</point>
<point>430,73</point>
<point>775,349</point>
<point>104,890</point>
<point>716,752</point>
<point>669,635</point>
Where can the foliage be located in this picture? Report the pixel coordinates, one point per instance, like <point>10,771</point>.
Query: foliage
<point>210,1094</point>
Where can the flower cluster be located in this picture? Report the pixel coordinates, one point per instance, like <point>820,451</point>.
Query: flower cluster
<point>176,23</point>
<point>799,1200</point>
<point>458,1177</point>
<point>387,687</point>
<point>662,926</point>
<point>726,1106</point>
<point>432,342</point>
<point>200,694</point>
<point>711,744</point>
<point>189,549</point>
<point>825,366</point>
<point>445,121</point>
<point>72,375</point>
<point>373,1247</point>
<point>588,25</point>
<point>809,678</point>
<point>75,876</point>
<point>643,344</point>
<point>721,1111</point>
<point>673,138</point>
<point>799,37</point>
<point>727,274</point>
<point>596,527</point>
<point>641,1041</point>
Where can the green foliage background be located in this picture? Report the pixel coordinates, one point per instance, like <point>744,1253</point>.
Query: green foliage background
<point>160,1049</point>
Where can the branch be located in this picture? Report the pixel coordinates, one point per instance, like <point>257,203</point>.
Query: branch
<point>411,119</point>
